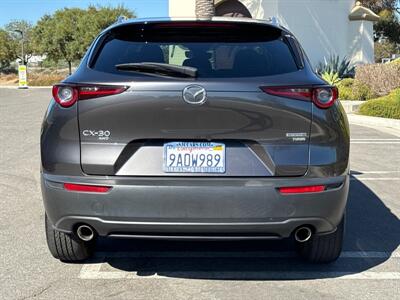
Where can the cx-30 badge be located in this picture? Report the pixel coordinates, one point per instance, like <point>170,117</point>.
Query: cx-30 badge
<point>194,94</point>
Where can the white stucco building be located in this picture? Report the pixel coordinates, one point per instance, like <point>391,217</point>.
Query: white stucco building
<point>324,27</point>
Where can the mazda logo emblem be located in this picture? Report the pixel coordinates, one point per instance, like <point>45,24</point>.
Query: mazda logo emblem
<point>194,94</point>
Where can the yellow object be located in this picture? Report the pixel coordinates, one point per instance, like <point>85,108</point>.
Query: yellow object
<point>22,76</point>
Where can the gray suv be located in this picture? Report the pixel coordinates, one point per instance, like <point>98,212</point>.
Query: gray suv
<point>195,129</point>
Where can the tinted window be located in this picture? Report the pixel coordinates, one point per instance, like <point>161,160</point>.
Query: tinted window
<point>231,55</point>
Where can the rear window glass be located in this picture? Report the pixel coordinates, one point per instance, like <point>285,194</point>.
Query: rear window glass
<point>215,52</point>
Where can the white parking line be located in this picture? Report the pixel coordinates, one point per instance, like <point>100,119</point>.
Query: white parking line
<point>357,173</point>
<point>93,271</point>
<point>374,178</point>
<point>372,139</point>
<point>391,143</point>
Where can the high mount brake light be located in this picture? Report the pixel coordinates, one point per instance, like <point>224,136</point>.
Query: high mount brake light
<point>323,96</point>
<point>67,95</point>
<point>195,24</point>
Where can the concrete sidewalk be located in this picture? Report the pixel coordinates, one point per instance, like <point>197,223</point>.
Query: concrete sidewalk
<point>391,126</point>
<point>351,106</point>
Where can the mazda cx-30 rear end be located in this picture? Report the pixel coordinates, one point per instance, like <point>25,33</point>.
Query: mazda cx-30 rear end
<point>192,129</point>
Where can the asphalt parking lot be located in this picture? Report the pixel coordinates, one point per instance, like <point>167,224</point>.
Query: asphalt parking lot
<point>369,267</point>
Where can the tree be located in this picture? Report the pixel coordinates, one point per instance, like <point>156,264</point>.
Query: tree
<point>98,18</point>
<point>21,33</point>
<point>205,8</point>
<point>383,49</point>
<point>7,49</point>
<point>389,25</point>
<point>68,32</point>
<point>387,29</point>
<point>379,5</point>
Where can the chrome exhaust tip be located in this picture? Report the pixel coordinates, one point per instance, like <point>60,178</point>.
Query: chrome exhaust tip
<point>302,234</point>
<point>85,233</point>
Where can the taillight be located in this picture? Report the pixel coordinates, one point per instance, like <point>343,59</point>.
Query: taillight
<point>86,188</point>
<point>300,93</point>
<point>88,92</point>
<point>302,189</point>
<point>323,96</point>
<point>66,95</point>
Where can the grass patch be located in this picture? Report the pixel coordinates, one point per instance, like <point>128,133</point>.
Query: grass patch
<point>34,79</point>
<point>44,79</point>
<point>386,107</point>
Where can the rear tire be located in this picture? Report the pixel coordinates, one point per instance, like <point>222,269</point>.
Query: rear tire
<point>324,248</point>
<point>66,247</point>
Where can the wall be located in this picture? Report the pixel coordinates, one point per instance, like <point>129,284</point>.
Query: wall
<point>361,42</point>
<point>181,8</point>
<point>322,26</point>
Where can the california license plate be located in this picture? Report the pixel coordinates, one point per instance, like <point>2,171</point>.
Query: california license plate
<point>194,157</point>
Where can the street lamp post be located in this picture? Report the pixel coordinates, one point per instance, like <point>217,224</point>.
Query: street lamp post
<point>22,45</point>
<point>22,72</point>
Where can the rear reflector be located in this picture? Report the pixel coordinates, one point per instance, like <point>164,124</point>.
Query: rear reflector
<point>302,189</point>
<point>86,188</point>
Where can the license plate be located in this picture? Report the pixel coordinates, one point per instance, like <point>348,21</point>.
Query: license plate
<point>194,157</point>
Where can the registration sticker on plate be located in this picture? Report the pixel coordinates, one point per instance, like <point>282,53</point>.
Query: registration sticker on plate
<point>194,157</point>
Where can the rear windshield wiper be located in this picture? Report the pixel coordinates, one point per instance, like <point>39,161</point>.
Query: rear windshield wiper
<point>159,69</point>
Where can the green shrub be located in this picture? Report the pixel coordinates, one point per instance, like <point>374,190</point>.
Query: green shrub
<point>331,78</point>
<point>346,89</point>
<point>385,107</point>
<point>381,78</point>
<point>334,64</point>
<point>362,91</point>
<point>395,61</point>
<point>351,89</point>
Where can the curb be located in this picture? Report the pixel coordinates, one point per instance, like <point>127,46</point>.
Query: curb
<point>14,87</point>
<point>351,106</point>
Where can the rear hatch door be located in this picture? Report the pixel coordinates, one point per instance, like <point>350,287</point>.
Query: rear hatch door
<point>262,134</point>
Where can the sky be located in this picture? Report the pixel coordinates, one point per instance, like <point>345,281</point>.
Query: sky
<point>33,10</point>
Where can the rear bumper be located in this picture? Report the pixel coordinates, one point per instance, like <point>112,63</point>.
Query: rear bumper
<point>199,208</point>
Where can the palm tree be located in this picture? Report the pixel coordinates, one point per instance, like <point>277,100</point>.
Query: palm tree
<point>205,8</point>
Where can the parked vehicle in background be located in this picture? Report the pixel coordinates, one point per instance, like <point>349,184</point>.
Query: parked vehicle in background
<point>191,129</point>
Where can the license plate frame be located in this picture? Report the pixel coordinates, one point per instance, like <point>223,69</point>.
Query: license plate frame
<point>189,162</point>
